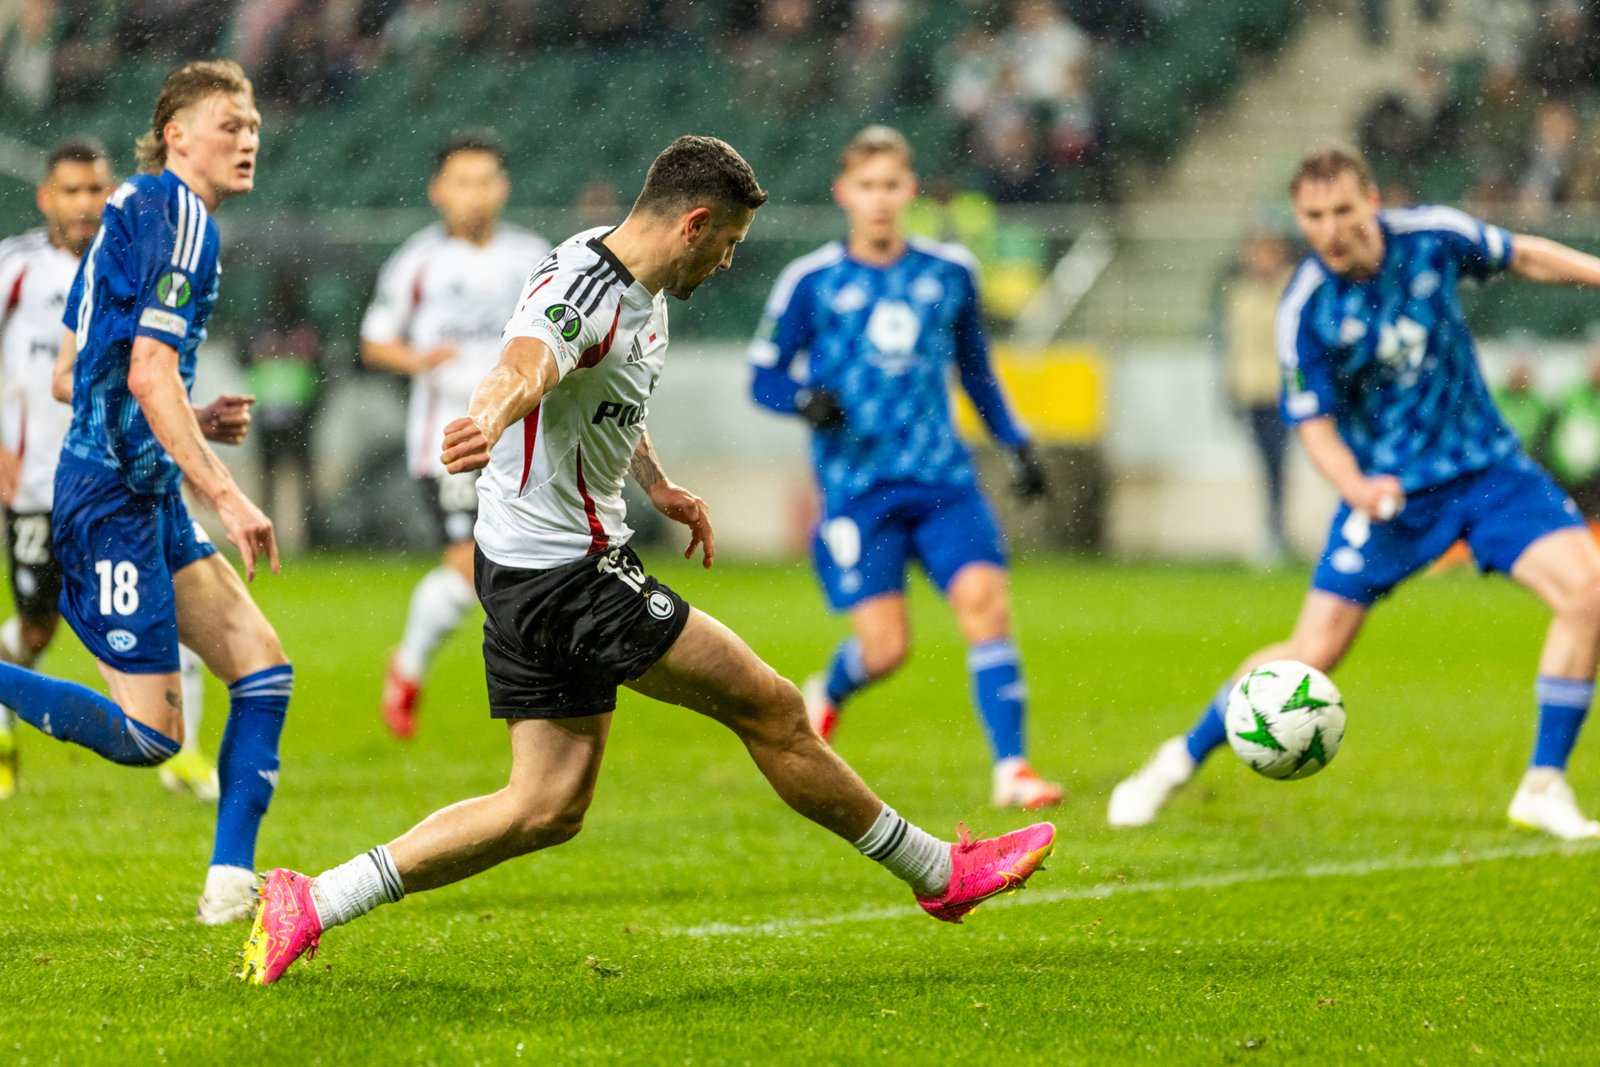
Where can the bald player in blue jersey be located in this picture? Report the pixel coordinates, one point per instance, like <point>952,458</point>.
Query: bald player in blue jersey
<point>137,571</point>
<point>884,323</point>
<point>1381,382</point>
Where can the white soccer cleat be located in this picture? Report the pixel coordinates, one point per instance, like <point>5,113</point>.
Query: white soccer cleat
<point>229,897</point>
<point>1017,786</point>
<point>1139,798</point>
<point>819,709</point>
<point>1544,802</point>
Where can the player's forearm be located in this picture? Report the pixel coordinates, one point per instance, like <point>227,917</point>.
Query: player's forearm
<point>397,357</point>
<point>1331,456</point>
<point>155,384</point>
<point>66,359</point>
<point>645,466</point>
<point>509,393</point>
<point>1539,259</point>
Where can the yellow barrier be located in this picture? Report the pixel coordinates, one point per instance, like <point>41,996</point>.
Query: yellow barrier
<point>1057,392</point>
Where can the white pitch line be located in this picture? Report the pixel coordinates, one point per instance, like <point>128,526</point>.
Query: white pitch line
<point>1219,880</point>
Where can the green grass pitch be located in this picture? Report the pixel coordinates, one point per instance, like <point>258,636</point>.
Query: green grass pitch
<point>1379,912</point>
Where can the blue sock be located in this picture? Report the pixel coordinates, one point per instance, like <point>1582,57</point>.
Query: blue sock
<point>1563,705</point>
<point>1209,733</point>
<point>71,712</point>
<point>847,673</point>
<point>1000,694</point>
<point>247,763</point>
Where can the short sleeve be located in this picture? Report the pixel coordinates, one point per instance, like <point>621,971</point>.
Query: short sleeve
<point>170,255</point>
<point>394,301</point>
<point>575,339</point>
<point>1307,372</point>
<point>1481,249</point>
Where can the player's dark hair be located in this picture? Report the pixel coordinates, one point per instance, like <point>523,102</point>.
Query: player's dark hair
<point>1327,163</point>
<point>185,85</point>
<point>875,141</point>
<point>76,150</point>
<point>484,141</point>
<point>697,171</point>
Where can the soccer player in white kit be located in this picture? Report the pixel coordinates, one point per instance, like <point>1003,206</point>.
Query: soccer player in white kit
<point>436,317</point>
<point>36,272</point>
<point>572,614</point>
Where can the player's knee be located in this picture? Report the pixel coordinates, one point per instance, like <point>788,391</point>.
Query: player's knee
<point>885,653</point>
<point>1581,601</point>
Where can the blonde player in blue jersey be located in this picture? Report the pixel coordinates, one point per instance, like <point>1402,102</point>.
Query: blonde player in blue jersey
<point>1382,384</point>
<point>885,321</point>
<point>136,570</point>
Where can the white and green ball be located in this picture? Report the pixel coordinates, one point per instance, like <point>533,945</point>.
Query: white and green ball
<point>1285,719</point>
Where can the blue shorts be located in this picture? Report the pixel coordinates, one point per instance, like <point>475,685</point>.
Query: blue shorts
<point>1498,512</point>
<point>861,551</point>
<point>118,551</point>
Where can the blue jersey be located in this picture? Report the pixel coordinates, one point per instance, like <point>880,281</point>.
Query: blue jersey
<point>886,342</point>
<point>1390,357</point>
<point>152,272</point>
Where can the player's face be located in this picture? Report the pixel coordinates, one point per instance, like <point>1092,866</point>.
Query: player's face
<point>1340,220</point>
<point>469,192</point>
<point>218,137</point>
<point>874,190</point>
<point>708,249</point>
<point>71,199</point>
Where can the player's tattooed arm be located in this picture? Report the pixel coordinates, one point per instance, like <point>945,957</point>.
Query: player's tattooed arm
<point>645,466</point>
<point>508,394</point>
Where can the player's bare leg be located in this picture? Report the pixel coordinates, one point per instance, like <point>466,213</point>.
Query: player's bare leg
<point>1563,570</point>
<point>879,647</point>
<point>440,601</point>
<point>982,607</point>
<point>220,622</point>
<point>1324,633</point>
<point>554,766</point>
<point>710,670</point>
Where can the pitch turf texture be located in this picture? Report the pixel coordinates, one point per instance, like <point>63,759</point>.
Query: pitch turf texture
<point>1380,912</point>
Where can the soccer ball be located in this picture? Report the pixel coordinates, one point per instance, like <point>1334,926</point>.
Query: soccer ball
<point>1285,719</point>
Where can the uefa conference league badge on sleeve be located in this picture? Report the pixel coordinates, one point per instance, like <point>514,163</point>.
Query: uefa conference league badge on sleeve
<point>565,324</point>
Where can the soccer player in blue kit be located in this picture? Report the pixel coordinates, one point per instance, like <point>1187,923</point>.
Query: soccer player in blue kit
<point>885,320</point>
<point>137,571</point>
<point>1381,381</point>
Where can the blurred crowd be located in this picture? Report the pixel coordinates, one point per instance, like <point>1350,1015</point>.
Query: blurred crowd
<point>1015,78</point>
<point>1520,114</point>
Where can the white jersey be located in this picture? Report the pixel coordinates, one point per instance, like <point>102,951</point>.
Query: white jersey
<point>441,290</point>
<point>552,492</point>
<point>35,277</point>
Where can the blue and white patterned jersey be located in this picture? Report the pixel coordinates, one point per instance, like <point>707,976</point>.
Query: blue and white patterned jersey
<point>1390,357</point>
<point>885,341</point>
<point>151,272</point>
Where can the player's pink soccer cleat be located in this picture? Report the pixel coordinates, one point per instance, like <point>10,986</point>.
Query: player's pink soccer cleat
<point>988,867</point>
<point>286,927</point>
<point>400,703</point>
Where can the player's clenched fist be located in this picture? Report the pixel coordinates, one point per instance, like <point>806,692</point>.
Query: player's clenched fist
<point>466,446</point>
<point>226,419</point>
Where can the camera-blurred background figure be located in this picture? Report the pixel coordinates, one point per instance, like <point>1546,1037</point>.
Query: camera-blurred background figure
<point>283,369</point>
<point>1250,362</point>
<point>1573,451</point>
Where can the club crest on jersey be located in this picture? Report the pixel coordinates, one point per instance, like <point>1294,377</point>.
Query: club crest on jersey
<point>173,290</point>
<point>566,320</point>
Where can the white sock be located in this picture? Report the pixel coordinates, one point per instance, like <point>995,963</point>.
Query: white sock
<point>194,688</point>
<point>352,889</point>
<point>439,603</point>
<point>912,855</point>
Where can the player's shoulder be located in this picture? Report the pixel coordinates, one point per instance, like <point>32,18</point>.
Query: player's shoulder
<point>26,244</point>
<point>1298,295</point>
<point>947,252</point>
<point>804,268</point>
<point>523,240</point>
<point>420,244</point>
<point>1431,218</point>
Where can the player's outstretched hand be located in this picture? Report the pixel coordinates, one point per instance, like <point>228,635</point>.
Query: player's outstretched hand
<point>226,419</point>
<point>466,446</point>
<point>1028,481</point>
<point>249,529</point>
<point>1379,499</point>
<point>680,505</point>
<point>821,409</point>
